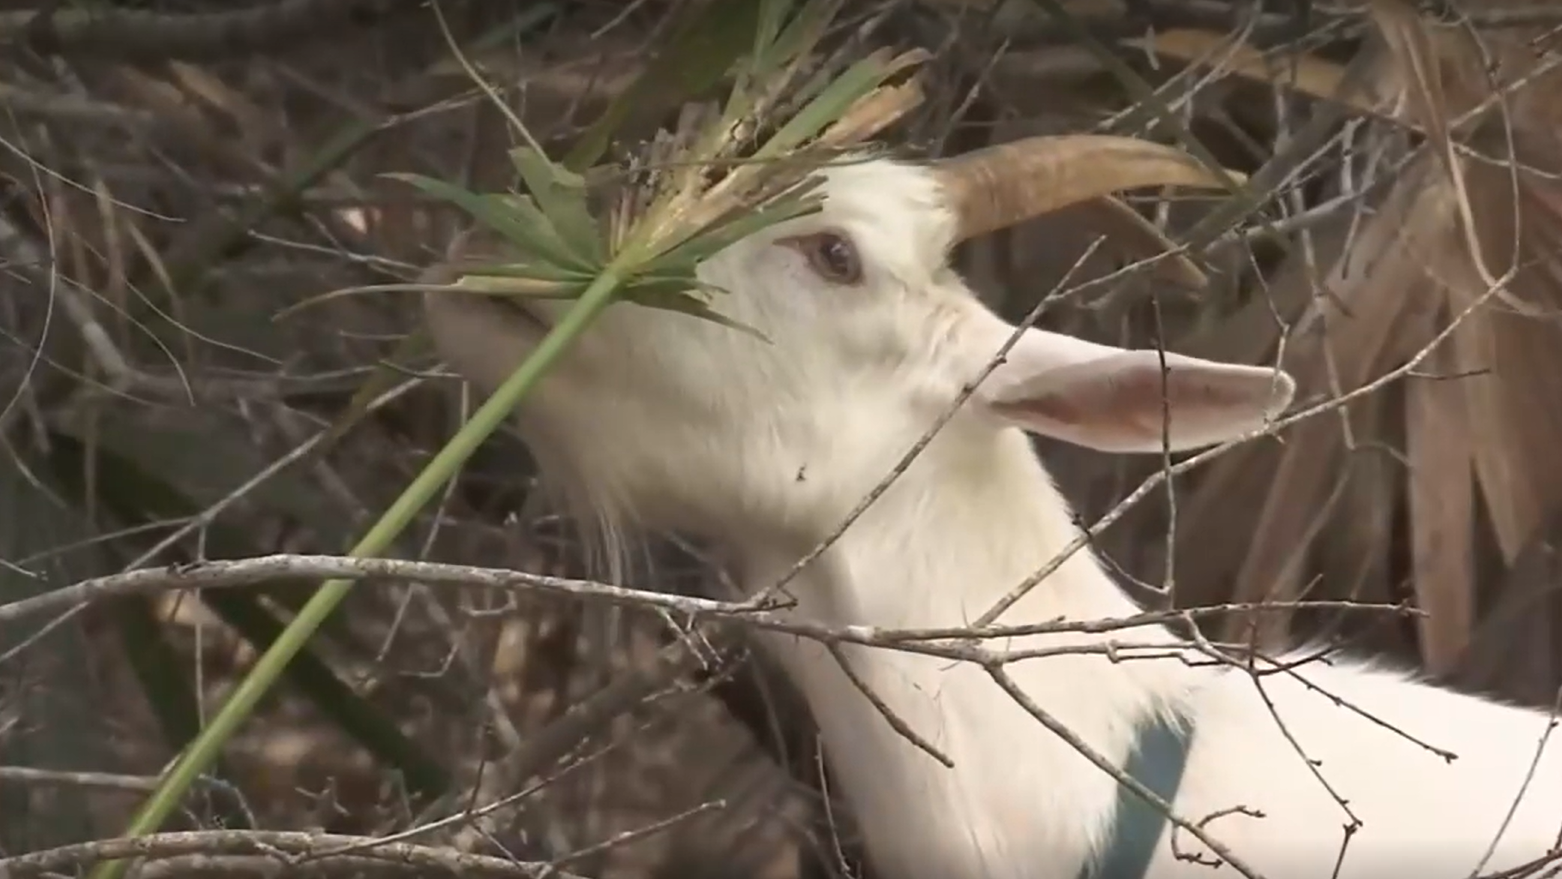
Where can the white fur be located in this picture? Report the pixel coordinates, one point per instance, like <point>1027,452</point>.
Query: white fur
<point>679,423</point>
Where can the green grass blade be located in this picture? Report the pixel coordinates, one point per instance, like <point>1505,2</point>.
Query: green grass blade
<point>135,497</point>
<point>831,103</point>
<point>791,43</point>
<point>512,285</point>
<point>169,690</point>
<point>702,46</point>
<point>205,749</point>
<point>676,222</point>
<point>561,194</point>
<point>516,218</point>
<point>706,243</point>
<point>772,17</point>
<point>424,778</point>
<point>673,294</point>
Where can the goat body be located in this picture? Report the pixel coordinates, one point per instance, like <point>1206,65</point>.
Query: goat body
<point>1020,802</point>
<point>1331,768</point>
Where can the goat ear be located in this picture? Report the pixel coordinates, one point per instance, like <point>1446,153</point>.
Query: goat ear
<point>1117,400</point>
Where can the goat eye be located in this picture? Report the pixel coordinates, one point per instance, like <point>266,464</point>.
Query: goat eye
<point>833,257</point>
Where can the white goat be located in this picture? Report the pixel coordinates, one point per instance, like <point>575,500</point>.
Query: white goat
<point>677,423</point>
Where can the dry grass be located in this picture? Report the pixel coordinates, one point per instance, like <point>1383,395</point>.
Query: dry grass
<point>144,385</point>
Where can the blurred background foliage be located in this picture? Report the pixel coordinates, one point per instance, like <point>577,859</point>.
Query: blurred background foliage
<point>175,173</point>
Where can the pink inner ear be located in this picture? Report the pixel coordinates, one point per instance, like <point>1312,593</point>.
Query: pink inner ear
<point>1130,396</point>
<point>1053,407</point>
<point>1088,407</point>
<point>1129,401</point>
<point>1190,395</point>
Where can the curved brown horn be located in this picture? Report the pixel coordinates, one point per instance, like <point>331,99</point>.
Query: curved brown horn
<point>1000,185</point>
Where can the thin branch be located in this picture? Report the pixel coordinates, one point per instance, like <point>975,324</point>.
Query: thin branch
<point>287,848</point>
<point>272,568</point>
<point>136,34</point>
<point>895,721</point>
<point>99,780</point>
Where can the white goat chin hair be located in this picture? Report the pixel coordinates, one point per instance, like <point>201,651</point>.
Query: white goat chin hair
<point>664,421</point>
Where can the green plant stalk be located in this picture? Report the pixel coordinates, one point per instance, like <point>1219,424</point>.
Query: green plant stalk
<point>205,748</point>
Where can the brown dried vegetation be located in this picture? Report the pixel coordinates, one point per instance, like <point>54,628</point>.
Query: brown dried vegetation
<point>156,214</point>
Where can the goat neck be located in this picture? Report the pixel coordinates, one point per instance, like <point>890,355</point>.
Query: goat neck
<point>966,523</point>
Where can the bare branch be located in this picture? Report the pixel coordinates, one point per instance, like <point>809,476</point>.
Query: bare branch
<point>132,34</point>
<point>267,569</point>
<point>287,848</point>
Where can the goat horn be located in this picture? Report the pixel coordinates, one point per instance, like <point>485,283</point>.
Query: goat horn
<point>1001,185</point>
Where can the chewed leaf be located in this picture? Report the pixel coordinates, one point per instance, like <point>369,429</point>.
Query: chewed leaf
<point>532,288</point>
<point>561,194</point>
<point>528,271</point>
<point>514,218</point>
<point>522,213</point>
<point>856,83</point>
<point>680,295</point>
<point>707,243</point>
<point>872,113</point>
